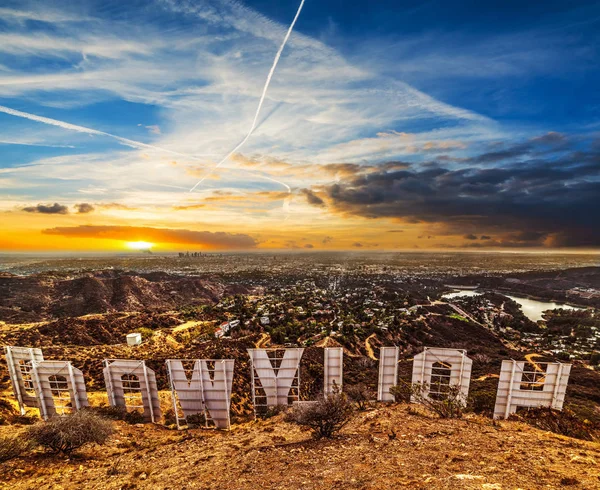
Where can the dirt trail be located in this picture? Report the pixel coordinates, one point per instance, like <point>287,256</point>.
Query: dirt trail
<point>369,349</point>
<point>261,343</point>
<point>186,326</point>
<point>330,342</point>
<point>536,366</point>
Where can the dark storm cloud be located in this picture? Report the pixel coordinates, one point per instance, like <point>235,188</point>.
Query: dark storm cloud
<point>214,240</point>
<point>84,208</point>
<point>496,156</point>
<point>551,138</point>
<point>312,198</point>
<point>540,145</point>
<point>48,209</point>
<point>552,201</point>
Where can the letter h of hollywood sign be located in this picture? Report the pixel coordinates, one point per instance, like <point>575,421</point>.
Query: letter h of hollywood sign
<point>203,387</point>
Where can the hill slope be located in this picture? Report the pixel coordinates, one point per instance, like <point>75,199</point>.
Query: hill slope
<point>50,295</point>
<point>425,452</point>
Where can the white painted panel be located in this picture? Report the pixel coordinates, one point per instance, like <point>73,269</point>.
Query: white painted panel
<point>513,390</point>
<point>275,385</point>
<point>115,369</point>
<point>388,373</point>
<point>18,360</point>
<point>333,367</point>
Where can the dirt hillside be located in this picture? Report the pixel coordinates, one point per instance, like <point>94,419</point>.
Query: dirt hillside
<point>388,447</point>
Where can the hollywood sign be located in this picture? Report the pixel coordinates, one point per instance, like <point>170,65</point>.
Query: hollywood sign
<point>203,386</point>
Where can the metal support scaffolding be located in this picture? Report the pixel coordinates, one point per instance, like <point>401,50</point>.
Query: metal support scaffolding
<point>207,391</point>
<point>132,385</point>
<point>438,369</point>
<point>275,375</point>
<point>542,385</point>
<point>333,369</point>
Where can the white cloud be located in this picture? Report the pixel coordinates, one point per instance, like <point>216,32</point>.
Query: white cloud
<point>205,76</point>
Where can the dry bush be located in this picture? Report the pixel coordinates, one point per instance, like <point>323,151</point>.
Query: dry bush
<point>482,402</point>
<point>360,394</point>
<point>169,417</point>
<point>67,433</point>
<point>324,417</point>
<point>196,421</point>
<point>13,446</point>
<point>272,411</point>
<point>450,405</point>
<point>119,413</point>
<point>564,422</point>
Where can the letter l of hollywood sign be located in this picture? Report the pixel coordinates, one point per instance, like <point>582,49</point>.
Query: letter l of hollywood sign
<point>334,365</point>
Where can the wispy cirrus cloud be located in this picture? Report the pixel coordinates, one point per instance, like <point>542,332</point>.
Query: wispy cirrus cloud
<point>380,128</point>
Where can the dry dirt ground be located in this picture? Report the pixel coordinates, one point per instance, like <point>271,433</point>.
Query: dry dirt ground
<point>387,447</point>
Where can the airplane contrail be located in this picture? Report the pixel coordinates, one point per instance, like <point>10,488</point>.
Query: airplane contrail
<point>83,129</point>
<point>262,98</point>
<point>125,141</point>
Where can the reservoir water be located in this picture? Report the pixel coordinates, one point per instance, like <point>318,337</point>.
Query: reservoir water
<point>532,309</point>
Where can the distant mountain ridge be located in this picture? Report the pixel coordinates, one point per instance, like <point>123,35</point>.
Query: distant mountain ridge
<point>47,296</point>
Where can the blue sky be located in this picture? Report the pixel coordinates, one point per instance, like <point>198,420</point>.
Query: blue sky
<point>438,84</point>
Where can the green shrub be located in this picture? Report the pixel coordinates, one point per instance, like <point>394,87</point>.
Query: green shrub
<point>169,417</point>
<point>119,413</point>
<point>196,421</point>
<point>272,411</point>
<point>67,433</point>
<point>134,417</point>
<point>110,412</point>
<point>146,332</point>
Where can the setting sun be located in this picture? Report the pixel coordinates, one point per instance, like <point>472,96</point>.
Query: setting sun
<point>140,245</point>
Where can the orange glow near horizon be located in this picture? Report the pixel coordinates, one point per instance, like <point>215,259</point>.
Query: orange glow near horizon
<point>140,245</point>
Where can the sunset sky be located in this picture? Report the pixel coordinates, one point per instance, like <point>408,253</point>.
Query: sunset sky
<point>388,125</point>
